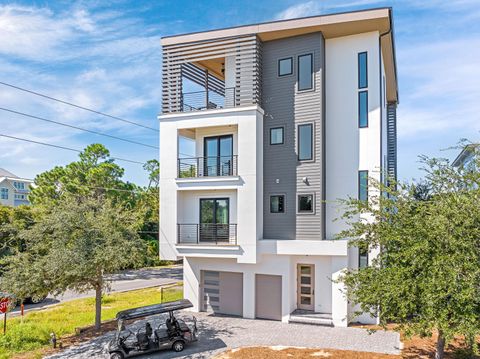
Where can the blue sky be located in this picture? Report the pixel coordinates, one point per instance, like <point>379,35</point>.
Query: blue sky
<point>108,57</point>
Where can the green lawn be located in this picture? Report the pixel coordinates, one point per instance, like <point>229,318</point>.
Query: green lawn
<point>62,319</point>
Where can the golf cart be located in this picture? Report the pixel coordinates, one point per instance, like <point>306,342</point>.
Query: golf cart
<point>172,334</point>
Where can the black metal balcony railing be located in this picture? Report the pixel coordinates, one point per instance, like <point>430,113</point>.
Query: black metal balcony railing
<point>208,100</point>
<point>216,166</point>
<point>207,233</point>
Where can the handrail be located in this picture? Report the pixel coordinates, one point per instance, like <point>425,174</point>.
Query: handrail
<point>207,233</point>
<point>209,166</point>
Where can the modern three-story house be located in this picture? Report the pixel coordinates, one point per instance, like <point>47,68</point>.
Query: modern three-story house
<point>263,128</point>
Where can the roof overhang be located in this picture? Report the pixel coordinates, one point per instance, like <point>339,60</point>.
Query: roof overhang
<point>331,26</point>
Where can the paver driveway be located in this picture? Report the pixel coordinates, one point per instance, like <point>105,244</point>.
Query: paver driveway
<point>218,333</point>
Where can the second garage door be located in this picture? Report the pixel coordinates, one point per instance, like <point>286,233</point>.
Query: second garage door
<point>222,292</point>
<point>268,296</point>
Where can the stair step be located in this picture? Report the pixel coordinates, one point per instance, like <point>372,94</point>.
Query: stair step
<point>318,320</point>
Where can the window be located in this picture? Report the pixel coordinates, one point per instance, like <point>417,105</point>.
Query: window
<point>19,185</point>
<point>285,66</point>
<point>276,136</point>
<point>362,70</point>
<point>305,203</point>
<point>20,196</point>
<point>363,185</point>
<point>3,193</point>
<point>277,204</point>
<point>305,72</point>
<point>305,142</point>
<point>362,258</point>
<point>363,109</point>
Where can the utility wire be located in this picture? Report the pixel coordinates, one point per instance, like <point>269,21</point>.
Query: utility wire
<point>63,148</point>
<point>77,128</point>
<point>77,106</point>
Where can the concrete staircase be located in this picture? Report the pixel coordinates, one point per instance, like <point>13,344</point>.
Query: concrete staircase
<point>309,317</point>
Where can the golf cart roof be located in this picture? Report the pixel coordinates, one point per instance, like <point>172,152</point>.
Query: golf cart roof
<point>153,309</point>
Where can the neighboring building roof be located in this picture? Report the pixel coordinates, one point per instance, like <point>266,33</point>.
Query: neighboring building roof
<point>332,25</point>
<point>465,154</point>
<point>5,173</point>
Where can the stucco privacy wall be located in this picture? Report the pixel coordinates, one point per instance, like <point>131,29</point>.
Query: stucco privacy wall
<point>249,124</point>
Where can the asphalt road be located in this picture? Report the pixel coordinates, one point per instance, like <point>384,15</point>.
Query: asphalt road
<point>120,282</point>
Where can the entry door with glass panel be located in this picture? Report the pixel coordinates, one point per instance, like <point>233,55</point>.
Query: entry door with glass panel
<point>305,286</point>
<point>218,152</point>
<point>214,220</point>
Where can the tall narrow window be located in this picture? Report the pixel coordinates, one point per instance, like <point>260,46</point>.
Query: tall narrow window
<point>3,193</point>
<point>305,142</point>
<point>305,72</point>
<point>363,109</point>
<point>362,70</point>
<point>363,185</point>
<point>362,258</point>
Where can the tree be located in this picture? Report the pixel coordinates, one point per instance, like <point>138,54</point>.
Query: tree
<point>94,174</point>
<point>426,277</point>
<point>73,245</point>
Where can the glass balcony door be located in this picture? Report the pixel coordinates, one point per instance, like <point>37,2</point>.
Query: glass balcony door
<point>218,152</point>
<point>214,219</point>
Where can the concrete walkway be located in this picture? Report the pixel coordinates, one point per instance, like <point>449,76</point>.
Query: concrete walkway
<point>218,333</point>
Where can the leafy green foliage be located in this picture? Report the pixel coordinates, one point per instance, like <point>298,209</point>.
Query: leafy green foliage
<point>427,274</point>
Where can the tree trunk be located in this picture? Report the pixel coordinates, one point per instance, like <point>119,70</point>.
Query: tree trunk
<point>98,306</point>
<point>440,345</point>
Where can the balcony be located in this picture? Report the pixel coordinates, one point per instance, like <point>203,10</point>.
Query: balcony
<point>214,166</point>
<point>208,100</point>
<point>207,234</point>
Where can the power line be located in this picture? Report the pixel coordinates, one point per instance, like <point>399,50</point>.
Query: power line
<point>64,148</point>
<point>77,106</point>
<point>77,128</point>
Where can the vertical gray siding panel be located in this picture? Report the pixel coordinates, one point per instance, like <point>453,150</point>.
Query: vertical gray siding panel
<point>286,107</point>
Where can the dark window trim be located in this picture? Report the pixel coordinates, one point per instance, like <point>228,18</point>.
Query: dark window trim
<point>359,113</point>
<point>313,203</point>
<point>360,255</point>
<point>270,203</point>
<point>366,69</point>
<point>291,66</point>
<point>218,138</point>
<point>312,150</point>
<point>214,208</point>
<point>312,86</point>
<point>283,135</point>
<point>360,184</point>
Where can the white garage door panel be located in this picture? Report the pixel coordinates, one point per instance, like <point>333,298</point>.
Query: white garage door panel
<point>268,296</point>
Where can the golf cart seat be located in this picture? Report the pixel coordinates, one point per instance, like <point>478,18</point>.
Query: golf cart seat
<point>143,341</point>
<point>172,326</point>
<point>161,334</point>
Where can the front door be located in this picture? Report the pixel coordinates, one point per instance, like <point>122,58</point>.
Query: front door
<point>306,286</point>
<point>214,220</point>
<point>218,153</point>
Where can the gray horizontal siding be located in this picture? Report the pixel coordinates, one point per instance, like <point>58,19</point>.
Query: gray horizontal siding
<point>285,107</point>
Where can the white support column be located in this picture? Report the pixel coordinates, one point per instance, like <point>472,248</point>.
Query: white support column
<point>248,295</point>
<point>191,284</point>
<point>339,301</point>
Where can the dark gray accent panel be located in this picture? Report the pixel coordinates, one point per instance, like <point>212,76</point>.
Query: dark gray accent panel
<point>286,107</point>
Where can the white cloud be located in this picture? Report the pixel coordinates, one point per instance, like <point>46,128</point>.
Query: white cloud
<point>300,10</point>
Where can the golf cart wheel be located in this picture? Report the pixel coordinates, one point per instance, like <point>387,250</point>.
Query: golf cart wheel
<point>178,346</point>
<point>116,355</point>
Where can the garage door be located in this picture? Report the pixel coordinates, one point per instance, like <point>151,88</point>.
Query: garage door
<point>222,292</point>
<point>268,296</point>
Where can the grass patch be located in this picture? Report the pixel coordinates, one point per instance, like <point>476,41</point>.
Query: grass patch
<point>63,318</point>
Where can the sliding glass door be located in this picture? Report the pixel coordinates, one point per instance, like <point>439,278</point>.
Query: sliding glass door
<point>218,153</point>
<point>214,220</point>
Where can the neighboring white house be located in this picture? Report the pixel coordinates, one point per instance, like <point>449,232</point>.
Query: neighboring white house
<point>13,189</point>
<point>466,156</point>
<point>284,118</point>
